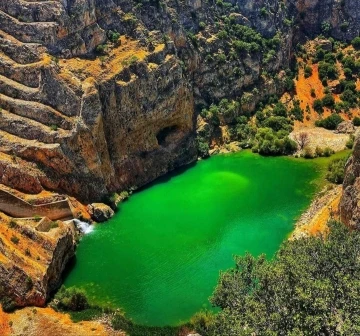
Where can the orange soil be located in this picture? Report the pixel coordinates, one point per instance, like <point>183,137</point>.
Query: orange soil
<point>318,222</point>
<point>303,94</point>
<point>45,321</point>
<point>34,260</point>
<point>4,323</point>
<point>115,61</point>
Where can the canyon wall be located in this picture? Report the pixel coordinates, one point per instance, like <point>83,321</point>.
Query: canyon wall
<point>350,201</point>
<point>84,122</point>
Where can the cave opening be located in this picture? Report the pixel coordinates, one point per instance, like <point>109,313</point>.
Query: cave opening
<point>163,135</point>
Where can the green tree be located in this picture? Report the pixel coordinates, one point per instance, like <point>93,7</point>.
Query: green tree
<point>336,171</point>
<point>331,122</point>
<point>311,287</point>
<point>356,43</point>
<point>318,106</point>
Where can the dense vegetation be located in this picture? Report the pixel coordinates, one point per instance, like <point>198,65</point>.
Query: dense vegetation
<point>336,170</point>
<point>339,68</point>
<point>311,287</point>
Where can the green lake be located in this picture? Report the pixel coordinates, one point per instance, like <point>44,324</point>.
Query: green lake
<point>159,258</point>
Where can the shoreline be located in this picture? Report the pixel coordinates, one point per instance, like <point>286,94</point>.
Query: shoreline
<point>323,207</point>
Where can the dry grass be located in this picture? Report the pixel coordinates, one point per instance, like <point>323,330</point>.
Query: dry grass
<point>45,321</point>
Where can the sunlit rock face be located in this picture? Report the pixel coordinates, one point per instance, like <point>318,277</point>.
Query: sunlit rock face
<point>85,122</point>
<point>33,256</point>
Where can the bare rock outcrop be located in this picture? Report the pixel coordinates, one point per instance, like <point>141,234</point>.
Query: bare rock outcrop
<point>339,18</point>
<point>350,201</point>
<point>346,127</point>
<point>100,212</point>
<point>32,261</point>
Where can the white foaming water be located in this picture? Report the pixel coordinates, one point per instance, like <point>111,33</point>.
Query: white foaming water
<point>83,226</point>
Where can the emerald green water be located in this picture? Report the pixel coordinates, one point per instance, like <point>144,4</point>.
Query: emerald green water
<point>159,258</point>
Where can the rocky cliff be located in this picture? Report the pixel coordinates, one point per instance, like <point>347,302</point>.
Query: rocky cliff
<point>350,201</point>
<point>33,255</point>
<point>103,95</point>
<point>340,18</point>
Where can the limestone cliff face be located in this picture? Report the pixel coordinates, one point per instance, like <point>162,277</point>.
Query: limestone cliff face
<point>85,125</point>
<point>32,258</point>
<point>350,201</point>
<point>340,18</point>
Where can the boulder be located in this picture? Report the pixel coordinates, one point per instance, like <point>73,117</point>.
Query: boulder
<point>346,127</point>
<point>100,212</point>
<point>324,44</point>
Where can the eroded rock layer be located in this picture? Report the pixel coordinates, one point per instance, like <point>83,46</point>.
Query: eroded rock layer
<point>33,255</point>
<point>86,113</point>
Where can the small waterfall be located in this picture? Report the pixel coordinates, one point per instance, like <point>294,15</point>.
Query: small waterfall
<point>83,226</point>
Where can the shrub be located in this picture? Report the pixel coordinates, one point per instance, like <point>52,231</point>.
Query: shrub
<point>330,123</point>
<point>211,115</point>
<point>72,299</point>
<point>319,55</point>
<point>297,112</point>
<point>327,71</point>
<point>12,223</point>
<point>222,35</point>
<point>356,121</point>
<point>277,123</point>
<point>318,106</point>
<point>328,152</point>
<point>113,36</point>
<point>308,71</point>
<point>280,110</point>
<point>356,43</point>
<point>336,170</point>
<point>348,73</point>
<point>289,84</point>
<point>101,49</point>
<point>269,142</point>
<point>202,25</point>
<point>340,107</point>
<point>350,142</point>
<point>328,100</point>
<point>202,148</point>
<point>201,321</point>
<point>308,153</point>
<point>325,27</point>
<point>319,152</point>
<point>15,240</point>
<point>8,305</point>
<point>350,97</point>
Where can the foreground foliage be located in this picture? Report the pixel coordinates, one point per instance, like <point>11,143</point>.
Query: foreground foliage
<point>336,171</point>
<point>312,287</point>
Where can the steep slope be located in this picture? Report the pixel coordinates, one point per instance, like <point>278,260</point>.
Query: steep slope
<point>33,254</point>
<point>125,112</point>
<point>350,201</point>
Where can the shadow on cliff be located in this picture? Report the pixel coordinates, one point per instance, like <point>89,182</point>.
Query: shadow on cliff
<point>68,269</point>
